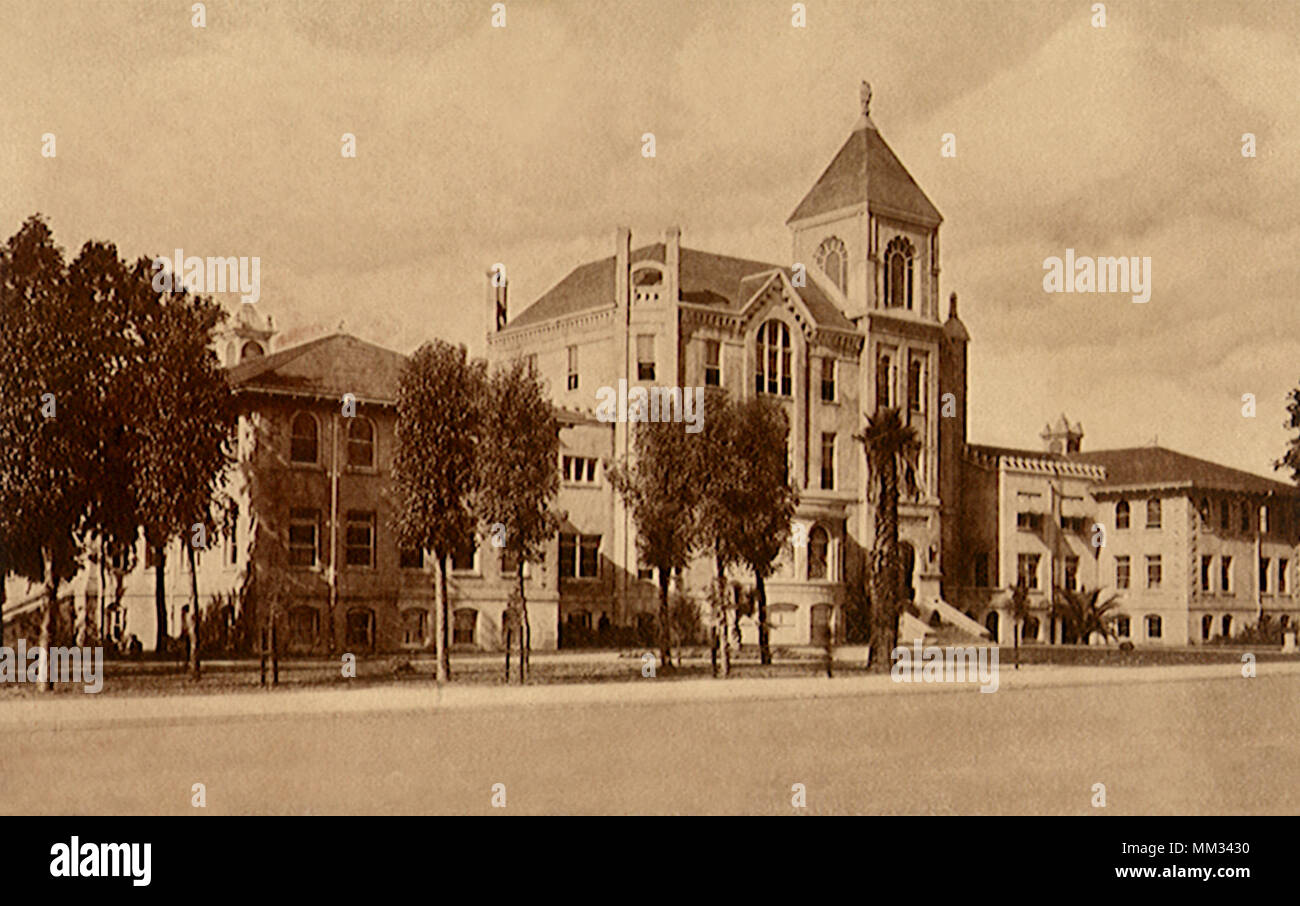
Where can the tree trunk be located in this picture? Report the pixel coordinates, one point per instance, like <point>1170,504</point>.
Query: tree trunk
<point>160,599</point>
<point>764,648</point>
<point>525,640</point>
<point>1015,628</point>
<point>886,583</point>
<point>665,629</point>
<point>194,615</point>
<point>723,641</point>
<point>49,621</point>
<point>440,617</point>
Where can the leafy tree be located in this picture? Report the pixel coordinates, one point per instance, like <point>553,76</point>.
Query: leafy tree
<point>1291,459</point>
<point>1019,612</point>
<point>661,488</point>
<point>518,476</point>
<point>767,499</point>
<point>439,404</point>
<point>723,506</point>
<point>184,420</point>
<point>55,370</point>
<point>891,448</point>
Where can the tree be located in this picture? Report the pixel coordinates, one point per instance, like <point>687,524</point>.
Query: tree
<point>56,366</point>
<point>439,405</point>
<point>766,499</point>
<point>723,505</point>
<point>1291,459</point>
<point>183,417</point>
<point>661,488</point>
<point>1084,614</point>
<point>1019,612</point>
<point>518,477</point>
<point>891,448</point>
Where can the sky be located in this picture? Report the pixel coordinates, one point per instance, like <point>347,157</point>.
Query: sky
<point>522,145</point>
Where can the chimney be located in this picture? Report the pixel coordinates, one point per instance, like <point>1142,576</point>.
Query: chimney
<point>497,314</point>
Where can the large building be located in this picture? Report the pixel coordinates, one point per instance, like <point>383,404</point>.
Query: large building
<point>851,323</point>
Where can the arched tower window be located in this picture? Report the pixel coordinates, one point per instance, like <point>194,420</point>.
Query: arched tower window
<point>773,372</point>
<point>252,349</point>
<point>899,256</point>
<point>818,544</point>
<point>833,259</point>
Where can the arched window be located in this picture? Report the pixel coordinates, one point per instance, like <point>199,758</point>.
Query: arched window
<point>1029,632</point>
<point>252,349</point>
<point>899,255</point>
<point>818,544</point>
<point>361,442</point>
<point>303,439</point>
<point>1227,626</point>
<point>1121,514</point>
<point>1207,626</point>
<point>361,628</point>
<point>833,259</point>
<point>774,374</point>
<point>1153,513</point>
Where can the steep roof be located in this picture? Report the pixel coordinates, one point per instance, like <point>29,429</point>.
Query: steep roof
<point>1151,466</point>
<point>706,279</point>
<point>325,367</point>
<point>887,186</point>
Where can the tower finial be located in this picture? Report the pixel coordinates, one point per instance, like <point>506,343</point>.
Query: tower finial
<point>952,305</point>
<point>865,95</point>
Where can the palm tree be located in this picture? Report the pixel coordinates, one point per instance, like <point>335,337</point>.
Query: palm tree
<point>891,449</point>
<point>1084,614</point>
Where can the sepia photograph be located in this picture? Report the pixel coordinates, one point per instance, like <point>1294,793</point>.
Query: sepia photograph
<point>650,408</point>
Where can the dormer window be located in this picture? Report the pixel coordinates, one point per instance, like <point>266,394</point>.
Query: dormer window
<point>773,373</point>
<point>833,259</point>
<point>899,255</point>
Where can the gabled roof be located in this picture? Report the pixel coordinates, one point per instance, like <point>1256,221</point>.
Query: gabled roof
<point>327,367</point>
<point>706,279</point>
<point>890,187</point>
<point>1152,466</point>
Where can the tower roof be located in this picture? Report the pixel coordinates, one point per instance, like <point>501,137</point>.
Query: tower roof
<point>866,169</point>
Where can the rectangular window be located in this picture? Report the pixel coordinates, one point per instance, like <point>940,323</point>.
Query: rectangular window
<point>1207,576</point>
<point>411,559</point>
<point>1123,572</point>
<point>415,626</point>
<point>303,529</point>
<point>1264,563</point>
<point>1072,573</point>
<point>1154,571</point>
<point>568,555</point>
<point>1029,522</point>
<point>1282,566</point>
<point>573,367</point>
<point>712,363</point>
<point>645,357</point>
<point>589,556</point>
<point>578,469</point>
<point>828,380</point>
<point>885,378</point>
<point>1154,627</point>
<point>916,382</point>
<point>462,558</point>
<point>1027,570</point>
<point>360,539</point>
<point>1153,514</point>
<point>828,462</point>
<point>1122,628</point>
<point>1225,575</point>
<point>532,363</point>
